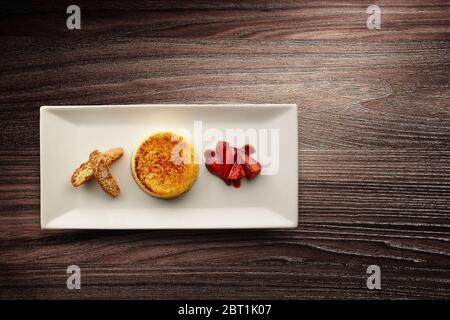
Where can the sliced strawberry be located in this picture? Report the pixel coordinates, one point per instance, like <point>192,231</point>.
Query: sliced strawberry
<point>248,149</point>
<point>242,171</point>
<point>221,150</point>
<point>214,167</point>
<point>235,154</point>
<point>209,155</point>
<point>251,167</point>
<point>224,152</point>
<point>239,156</point>
<point>226,170</point>
<point>236,172</point>
<point>231,164</point>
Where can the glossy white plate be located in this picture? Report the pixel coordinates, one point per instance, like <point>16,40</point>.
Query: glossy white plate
<point>69,133</point>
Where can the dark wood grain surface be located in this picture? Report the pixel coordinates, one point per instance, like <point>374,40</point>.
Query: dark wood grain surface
<point>374,144</point>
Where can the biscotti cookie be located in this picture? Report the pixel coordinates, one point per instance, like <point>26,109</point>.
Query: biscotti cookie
<point>105,179</point>
<point>85,172</point>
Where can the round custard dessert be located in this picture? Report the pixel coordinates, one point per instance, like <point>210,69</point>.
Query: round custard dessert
<point>164,166</point>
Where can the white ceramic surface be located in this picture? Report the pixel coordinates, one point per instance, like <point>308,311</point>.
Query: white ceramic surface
<point>69,133</point>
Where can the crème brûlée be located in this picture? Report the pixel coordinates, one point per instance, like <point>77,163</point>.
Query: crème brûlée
<point>164,165</point>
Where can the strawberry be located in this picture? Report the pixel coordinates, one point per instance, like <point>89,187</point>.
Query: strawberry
<point>221,150</point>
<point>231,163</point>
<point>236,172</point>
<point>248,149</point>
<point>239,155</point>
<point>226,170</point>
<point>235,154</point>
<point>224,153</point>
<point>209,155</point>
<point>251,167</point>
<point>214,167</point>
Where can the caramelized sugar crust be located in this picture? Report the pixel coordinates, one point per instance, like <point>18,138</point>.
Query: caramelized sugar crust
<point>164,165</point>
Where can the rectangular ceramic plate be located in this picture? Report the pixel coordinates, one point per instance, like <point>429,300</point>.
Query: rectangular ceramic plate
<point>70,133</point>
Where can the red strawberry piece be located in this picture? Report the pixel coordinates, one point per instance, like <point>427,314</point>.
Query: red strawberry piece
<point>248,149</point>
<point>239,156</point>
<point>209,155</point>
<point>214,167</point>
<point>226,170</point>
<point>235,154</point>
<point>221,150</point>
<point>224,152</point>
<point>236,172</point>
<point>242,171</point>
<point>231,164</point>
<point>251,167</point>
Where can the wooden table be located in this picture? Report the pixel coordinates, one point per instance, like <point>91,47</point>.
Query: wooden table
<point>374,144</point>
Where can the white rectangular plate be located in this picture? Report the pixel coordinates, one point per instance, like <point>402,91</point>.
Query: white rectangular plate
<point>70,133</point>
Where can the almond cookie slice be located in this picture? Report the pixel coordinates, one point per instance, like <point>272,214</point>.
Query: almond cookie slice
<point>85,172</point>
<point>102,173</point>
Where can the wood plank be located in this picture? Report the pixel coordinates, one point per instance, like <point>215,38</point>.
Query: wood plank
<point>267,20</point>
<point>349,95</point>
<point>288,281</point>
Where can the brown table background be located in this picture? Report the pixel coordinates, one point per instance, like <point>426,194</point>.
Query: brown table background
<point>374,137</point>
